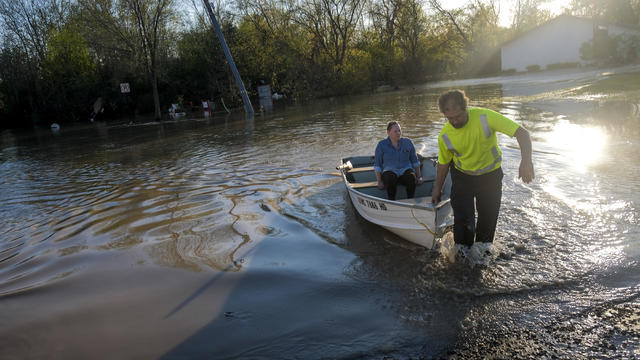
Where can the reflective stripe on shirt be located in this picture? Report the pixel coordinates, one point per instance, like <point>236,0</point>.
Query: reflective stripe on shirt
<point>485,125</point>
<point>497,159</point>
<point>447,141</point>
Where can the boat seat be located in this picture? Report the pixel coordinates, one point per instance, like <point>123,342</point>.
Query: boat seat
<point>370,168</point>
<point>364,185</point>
<point>375,183</point>
<point>360,169</point>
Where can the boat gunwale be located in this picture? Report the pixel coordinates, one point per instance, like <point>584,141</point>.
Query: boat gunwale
<point>430,206</point>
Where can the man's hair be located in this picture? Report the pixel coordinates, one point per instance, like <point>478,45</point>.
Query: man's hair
<point>457,96</point>
<point>391,124</point>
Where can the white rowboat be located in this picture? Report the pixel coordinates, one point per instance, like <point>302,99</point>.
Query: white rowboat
<point>416,220</point>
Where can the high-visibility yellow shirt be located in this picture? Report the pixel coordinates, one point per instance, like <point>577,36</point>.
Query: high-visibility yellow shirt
<point>473,148</point>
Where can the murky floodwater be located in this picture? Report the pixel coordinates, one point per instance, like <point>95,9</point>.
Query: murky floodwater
<point>233,238</point>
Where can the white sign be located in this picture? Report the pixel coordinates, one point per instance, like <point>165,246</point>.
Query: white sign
<point>124,88</point>
<point>264,91</point>
<point>264,95</point>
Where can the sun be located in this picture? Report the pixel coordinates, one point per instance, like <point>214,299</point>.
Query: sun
<point>556,7</point>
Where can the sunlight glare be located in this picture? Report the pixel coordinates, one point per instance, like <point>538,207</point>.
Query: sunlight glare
<point>581,145</point>
<point>506,8</point>
<point>556,7</point>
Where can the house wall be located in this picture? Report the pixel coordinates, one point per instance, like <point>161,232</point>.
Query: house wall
<point>557,41</point>
<point>614,30</point>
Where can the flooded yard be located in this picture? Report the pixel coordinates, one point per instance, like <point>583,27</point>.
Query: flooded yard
<point>227,237</point>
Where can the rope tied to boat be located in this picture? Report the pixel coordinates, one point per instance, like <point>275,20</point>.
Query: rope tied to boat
<point>423,224</point>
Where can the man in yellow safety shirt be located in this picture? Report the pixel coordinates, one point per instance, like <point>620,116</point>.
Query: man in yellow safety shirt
<point>468,147</point>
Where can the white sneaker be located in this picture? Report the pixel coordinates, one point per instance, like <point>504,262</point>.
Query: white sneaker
<point>481,253</point>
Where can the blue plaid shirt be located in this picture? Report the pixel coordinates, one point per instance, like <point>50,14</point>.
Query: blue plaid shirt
<point>388,158</point>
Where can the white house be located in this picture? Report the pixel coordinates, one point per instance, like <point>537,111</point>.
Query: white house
<point>555,42</point>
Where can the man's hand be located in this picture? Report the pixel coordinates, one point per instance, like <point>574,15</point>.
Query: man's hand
<point>380,185</point>
<point>526,164</point>
<point>435,197</point>
<point>526,172</point>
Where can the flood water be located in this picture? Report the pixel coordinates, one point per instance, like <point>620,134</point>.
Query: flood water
<point>225,237</point>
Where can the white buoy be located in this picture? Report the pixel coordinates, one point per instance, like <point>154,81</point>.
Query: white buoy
<point>55,127</point>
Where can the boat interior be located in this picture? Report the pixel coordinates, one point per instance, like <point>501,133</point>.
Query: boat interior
<point>361,176</point>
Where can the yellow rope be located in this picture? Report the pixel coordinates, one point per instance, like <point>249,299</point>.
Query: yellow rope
<point>423,224</point>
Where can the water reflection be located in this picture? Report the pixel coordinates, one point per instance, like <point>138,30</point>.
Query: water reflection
<point>582,145</point>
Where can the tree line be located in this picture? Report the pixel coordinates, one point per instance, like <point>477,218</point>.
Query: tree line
<point>57,57</point>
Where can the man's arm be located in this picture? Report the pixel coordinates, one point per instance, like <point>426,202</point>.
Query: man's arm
<point>526,172</point>
<point>441,174</point>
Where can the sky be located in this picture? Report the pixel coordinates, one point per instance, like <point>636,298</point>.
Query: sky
<point>554,6</point>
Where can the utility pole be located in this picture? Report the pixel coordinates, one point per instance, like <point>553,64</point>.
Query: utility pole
<point>248,108</point>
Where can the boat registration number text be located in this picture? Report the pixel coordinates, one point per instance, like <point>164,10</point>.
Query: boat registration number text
<point>372,204</point>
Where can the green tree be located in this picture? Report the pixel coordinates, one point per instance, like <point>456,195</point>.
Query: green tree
<point>612,11</point>
<point>16,85</point>
<point>410,39</point>
<point>381,39</point>
<point>528,14</point>
<point>68,73</point>
<point>139,28</point>
<point>332,24</point>
<point>27,26</point>
<point>199,71</point>
<point>279,46</point>
<point>448,40</point>
<point>454,17</point>
<point>30,22</point>
<point>485,35</point>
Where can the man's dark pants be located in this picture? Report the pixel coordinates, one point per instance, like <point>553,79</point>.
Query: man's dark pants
<point>469,192</point>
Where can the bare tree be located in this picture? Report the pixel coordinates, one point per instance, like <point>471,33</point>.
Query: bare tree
<point>27,25</point>
<point>332,24</point>
<point>139,26</point>
<point>31,21</point>
<point>411,26</point>
<point>438,7</point>
<point>384,18</point>
<point>276,14</point>
<point>528,14</point>
<point>222,9</point>
<point>152,18</point>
